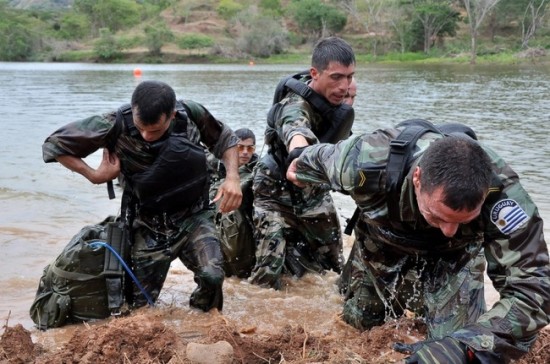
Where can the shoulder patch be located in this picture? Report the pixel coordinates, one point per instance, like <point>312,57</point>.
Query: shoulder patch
<point>508,216</point>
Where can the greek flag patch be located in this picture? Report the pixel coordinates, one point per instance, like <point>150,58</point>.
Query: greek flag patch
<point>508,216</point>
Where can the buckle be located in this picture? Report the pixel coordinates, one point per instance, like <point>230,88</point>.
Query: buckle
<point>399,145</point>
<point>116,312</point>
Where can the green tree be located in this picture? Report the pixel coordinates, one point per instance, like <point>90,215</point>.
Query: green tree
<point>112,14</point>
<point>156,36</point>
<point>476,10</point>
<point>107,47</point>
<point>15,42</point>
<point>533,16</point>
<point>17,39</point>
<point>504,16</point>
<point>262,36</point>
<point>74,26</point>
<point>317,18</point>
<point>401,24</point>
<point>437,17</point>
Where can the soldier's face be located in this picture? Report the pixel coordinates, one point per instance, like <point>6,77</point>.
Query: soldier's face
<point>352,92</point>
<point>153,132</point>
<point>333,83</point>
<point>246,149</point>
<point>436,213</point>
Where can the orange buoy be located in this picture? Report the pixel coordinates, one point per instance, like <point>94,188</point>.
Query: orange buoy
<point>137,72</point>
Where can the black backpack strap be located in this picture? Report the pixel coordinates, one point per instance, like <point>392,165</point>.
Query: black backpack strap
<point>117,130</point>
<point>338,118</point>
<point>350,223</point>
<point>457,129</point>
<point>280,90</point>
<point>311,96</point>
<point>399,159</point>
<point>117,238</point>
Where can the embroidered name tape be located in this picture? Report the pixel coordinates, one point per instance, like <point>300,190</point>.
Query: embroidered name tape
<point>508,216</point>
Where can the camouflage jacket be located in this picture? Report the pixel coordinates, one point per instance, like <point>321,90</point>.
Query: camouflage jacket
<point>295,117</point>
<point>84,137</point>
<point>517,255</point>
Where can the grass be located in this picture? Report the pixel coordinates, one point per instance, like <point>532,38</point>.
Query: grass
<point>436,56</point>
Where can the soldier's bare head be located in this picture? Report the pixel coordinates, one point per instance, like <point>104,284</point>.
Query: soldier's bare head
<point>151,100</point>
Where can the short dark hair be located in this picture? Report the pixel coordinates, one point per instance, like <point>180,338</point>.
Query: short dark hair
<point>151,99</point>
<point>461,167</point>
<point>332,49</point>
<point>245,133</point>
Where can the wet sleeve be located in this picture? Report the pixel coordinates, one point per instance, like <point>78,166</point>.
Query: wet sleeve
<point>518,266</point>
<point>79,138</point>
<point>327,164</point>
<point>214,134</point>
<point>297,118</point>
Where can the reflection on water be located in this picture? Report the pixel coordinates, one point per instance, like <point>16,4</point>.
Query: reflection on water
<point>43,206</point>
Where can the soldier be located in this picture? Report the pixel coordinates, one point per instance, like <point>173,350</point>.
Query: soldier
<point>422,245</point>
<point>236,227</point>
<point>352,93</point>
<point>297,230</point>
<point>155,145</point>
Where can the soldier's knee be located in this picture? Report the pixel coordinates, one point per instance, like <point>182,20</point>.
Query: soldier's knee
<point>363,312</point>
<point>360,318</point>
<point>212,275</point>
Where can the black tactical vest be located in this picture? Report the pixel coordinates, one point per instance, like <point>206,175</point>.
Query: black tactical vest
<point>176,178</point>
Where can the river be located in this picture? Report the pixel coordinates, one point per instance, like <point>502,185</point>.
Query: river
<point>43,205</point>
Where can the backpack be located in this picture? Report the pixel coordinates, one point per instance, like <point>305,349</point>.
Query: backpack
<point>85,281</point>
<point>400,159</point>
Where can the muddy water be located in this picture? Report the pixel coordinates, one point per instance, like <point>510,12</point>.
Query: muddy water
<point>43,206</point>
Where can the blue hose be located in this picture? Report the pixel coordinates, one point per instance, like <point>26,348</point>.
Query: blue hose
<point>96,244</point>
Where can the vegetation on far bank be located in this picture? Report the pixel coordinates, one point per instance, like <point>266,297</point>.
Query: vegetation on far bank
<point>273,31</point>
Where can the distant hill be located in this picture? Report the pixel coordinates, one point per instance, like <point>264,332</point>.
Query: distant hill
<point>41,4</point>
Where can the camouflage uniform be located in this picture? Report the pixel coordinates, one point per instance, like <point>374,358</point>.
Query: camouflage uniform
<point>297,229</point>
<point>158,238</point>
<point>402,264</point>
<point>236,227</point>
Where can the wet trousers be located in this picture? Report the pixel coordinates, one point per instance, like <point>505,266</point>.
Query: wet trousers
<point>295,240</point>
<point>195,243</point>
<point>378,286</point>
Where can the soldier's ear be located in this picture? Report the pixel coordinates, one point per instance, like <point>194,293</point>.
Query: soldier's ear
<point>416,177</point>
<point>314,73</point>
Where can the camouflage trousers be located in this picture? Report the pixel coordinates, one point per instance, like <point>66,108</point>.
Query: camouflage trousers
<point>379,286</point>
<point>237,242</point>
<point>295,239</point>
<point>195,242</point>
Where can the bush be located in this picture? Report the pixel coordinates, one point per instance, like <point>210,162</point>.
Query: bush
<point>228,9</point>
<point>194,41</point>
<point>106,47</point>
<point>74,26</point>
<point>315,17</point>
<point>130,41</point>
<point>15,43</point>
<point>156,36</point>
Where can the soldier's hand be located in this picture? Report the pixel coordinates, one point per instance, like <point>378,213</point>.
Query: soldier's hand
<point>295,153</point>
<point>108,169</point>
<point>291,175</point>
<point>446,350</point>
<point>229,194</point>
